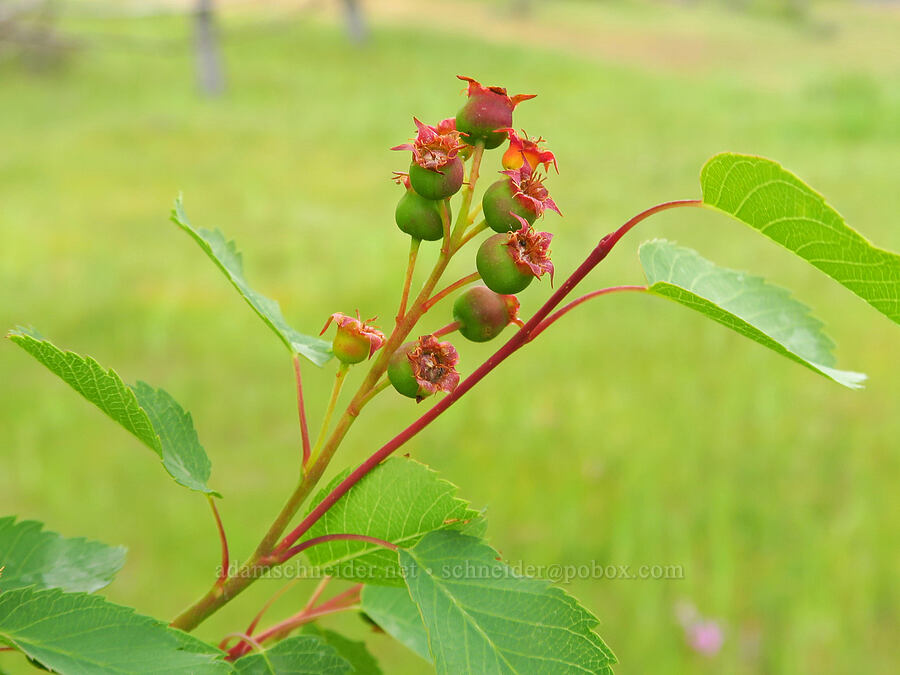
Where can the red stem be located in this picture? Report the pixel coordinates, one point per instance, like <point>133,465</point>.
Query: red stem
<point>309,543</point>
<point>521,337</point>
<point>449,328</point>
<point>558,314</point>
<point>437,297</point>
<point>223,575</point>
<point>301,410</point>
<point>338,603</point>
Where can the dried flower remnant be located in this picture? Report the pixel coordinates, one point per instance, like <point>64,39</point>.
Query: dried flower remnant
<point>528,189</point>
<point>436,171</point>
<point>355,340</point>
<point>523,148</point>
<point>531,249</point>
<point>433,364</point>
<point>434,146</point>
<point>421,368</point>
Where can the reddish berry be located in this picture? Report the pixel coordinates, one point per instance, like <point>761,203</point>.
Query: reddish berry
<point>421,368</point>
<point>483,314</point>
<point>355,339</point>
<point>487,113</point>
<point>436,171</point>
<point>418,217</point>
<point>508,262</point>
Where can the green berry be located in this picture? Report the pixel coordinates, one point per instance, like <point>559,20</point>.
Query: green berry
<point>400,373</point>
<point>419,217</point>
<point>499,271</point>
<point>433,185</point>
<point>483,314</point>
<point>499,204</point>
<point>350,348</point>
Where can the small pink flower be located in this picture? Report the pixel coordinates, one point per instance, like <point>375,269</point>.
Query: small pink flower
<point>528,189</point>
<point>524,149</point>
<point>706,637</point>
<point>531,249</point>
<point>433,364</point>
<point>434,147</point>
<point>355,330</point>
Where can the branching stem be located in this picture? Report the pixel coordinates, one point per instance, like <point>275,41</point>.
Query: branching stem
<point>332,404</point>
<point>223,572</point>
<point>410,267</point>
<point>558,314</point>
<point>440,295</point>
<point>301,411</point>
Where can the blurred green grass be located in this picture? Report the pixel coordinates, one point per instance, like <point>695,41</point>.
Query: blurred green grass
<point>636,434</point>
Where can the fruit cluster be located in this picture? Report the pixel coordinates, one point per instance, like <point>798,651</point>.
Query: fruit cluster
<point>506,262</point>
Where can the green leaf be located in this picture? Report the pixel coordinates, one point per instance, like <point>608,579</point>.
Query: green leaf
<point>77,633</point>
<point>227,258</point>
<point>32,557</point>
<point>393,610</point>
<point>303,655</point>
<point>353,651</point>
<point>744,303</point>
<point>768,198</point>
<point>150,414</point>
<point>400,502</point>
<point>482,618</point>
<point>183,456</point>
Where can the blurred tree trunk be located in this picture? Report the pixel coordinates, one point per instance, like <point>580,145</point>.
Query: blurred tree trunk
<point>210,75</point>
<point>356,23</point>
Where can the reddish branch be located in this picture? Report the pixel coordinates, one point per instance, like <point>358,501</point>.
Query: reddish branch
<point>339,603</point>
<point>315,541</point>
<point>558,314</point>
<point>301,411</point>
<point>468,279</point>
<point>223,573</point>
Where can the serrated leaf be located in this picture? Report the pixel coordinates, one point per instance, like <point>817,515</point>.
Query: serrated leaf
<point>400,502</point>
<point>182,455</point>
<point>75,633</point>
<point>228,259</point>
<point>30,556</point>
<point>769,198</point>
<point>393,610</point>
<point>152,415</point>
<point>302,655</point>
<point>354,651</point>
<point>482,618</point>
<point>748,305</point>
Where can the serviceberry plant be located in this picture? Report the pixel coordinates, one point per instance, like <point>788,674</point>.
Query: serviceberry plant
<point>402,548</point>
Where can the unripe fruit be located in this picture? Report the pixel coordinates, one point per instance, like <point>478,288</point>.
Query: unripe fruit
<point>486,112</point>
<point>499,203</point>
<point>480,117</point>
<point>419,217</point>
<point>482,314</point>
<point>350,348</point>
<point>419,369</point>
<point>499,271</point>
<point>400,372</point>
<point>433,185</point>
<point>355,340</point>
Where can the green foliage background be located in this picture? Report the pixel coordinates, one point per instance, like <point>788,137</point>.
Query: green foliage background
<point>638,434</point>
